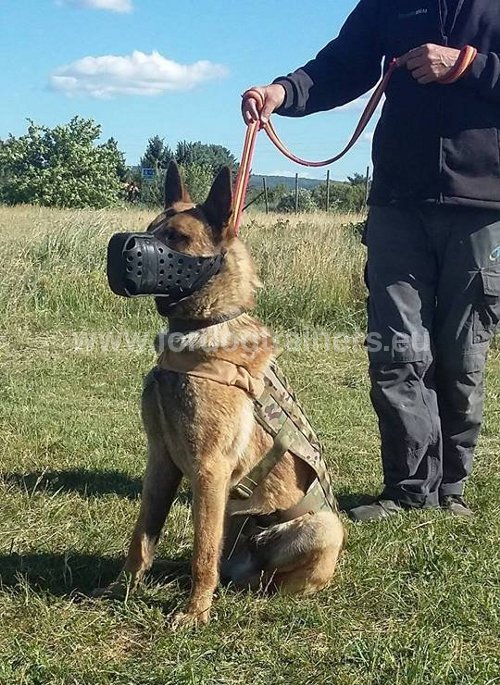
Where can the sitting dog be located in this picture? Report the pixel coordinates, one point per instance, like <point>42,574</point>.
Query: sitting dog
<point>263,511</point>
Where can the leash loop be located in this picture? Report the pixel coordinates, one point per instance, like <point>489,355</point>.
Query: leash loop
<point>464,61</point>
<point>254,127</point>
<point>368,113</point>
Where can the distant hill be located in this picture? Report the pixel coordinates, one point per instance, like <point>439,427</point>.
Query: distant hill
<point>288,181</point>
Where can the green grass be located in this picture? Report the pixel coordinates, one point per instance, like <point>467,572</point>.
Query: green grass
<point>415,600</point>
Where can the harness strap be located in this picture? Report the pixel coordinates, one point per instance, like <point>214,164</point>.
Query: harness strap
<point>247,525</point>
<point>306,444</point>
<point>312,503</point>
<point>249,483</point>
<point>217,370</point>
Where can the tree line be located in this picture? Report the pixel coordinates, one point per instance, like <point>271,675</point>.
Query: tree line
<point>68,166</point>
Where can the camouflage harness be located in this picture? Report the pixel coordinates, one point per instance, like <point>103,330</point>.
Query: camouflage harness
<point>278,412</point>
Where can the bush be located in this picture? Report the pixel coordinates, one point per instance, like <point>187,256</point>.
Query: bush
<point>344,197</point>
<point>62,167</point>
<point>356,228</point>
<point>305,202</point>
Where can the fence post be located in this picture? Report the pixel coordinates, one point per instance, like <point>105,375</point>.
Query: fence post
<point>367,184</point>
<point>328,190</point>
<point>296,193</point>
<point>266,196</point>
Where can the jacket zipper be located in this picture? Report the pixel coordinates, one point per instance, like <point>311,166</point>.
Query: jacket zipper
<point>444,39</point>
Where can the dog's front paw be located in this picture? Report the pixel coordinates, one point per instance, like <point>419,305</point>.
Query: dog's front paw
<point>185,620</point>
<point>119,589</point>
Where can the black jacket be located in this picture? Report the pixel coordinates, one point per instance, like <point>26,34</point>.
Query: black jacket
<point>433,143</point>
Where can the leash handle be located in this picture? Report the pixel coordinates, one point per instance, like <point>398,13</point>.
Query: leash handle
<point>467,55</point>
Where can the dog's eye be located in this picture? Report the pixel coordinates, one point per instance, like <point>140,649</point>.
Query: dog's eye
<point>172,236</point>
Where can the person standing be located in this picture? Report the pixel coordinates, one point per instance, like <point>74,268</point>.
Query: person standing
<point>433,230</point>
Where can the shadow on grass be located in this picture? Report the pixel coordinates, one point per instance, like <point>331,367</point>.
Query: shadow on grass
<point>348,500</point>
<point>80,574</point>
<point>82,481</point>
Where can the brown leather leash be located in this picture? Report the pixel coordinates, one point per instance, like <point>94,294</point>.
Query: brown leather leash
<point>464,61</point>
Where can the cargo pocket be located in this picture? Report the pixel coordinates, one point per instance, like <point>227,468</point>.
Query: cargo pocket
<point>487,312</point>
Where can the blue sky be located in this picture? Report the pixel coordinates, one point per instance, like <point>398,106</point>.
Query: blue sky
<point>126,64</point>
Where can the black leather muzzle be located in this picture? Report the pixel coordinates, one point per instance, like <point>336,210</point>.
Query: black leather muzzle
<point>139,264</point>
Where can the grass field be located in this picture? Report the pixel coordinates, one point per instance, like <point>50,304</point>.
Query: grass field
<point>416,600</point>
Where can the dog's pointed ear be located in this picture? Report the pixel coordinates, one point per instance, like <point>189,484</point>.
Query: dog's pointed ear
<point>175,190</point>
<point>217,207</point>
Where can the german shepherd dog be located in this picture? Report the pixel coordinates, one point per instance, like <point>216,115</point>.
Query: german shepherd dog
<point>206,431</point>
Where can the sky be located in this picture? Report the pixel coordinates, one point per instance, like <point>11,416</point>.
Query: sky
<point>174,69</point>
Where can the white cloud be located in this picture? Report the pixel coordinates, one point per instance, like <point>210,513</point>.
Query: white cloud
<point>111,5</point>
<point>136,74</point>
<point>368,136</point>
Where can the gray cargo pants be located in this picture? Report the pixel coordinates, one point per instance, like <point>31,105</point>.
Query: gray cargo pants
<point>433,275</point>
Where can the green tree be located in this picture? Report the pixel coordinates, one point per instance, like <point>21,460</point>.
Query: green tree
<point>305,202</point>
<point>122,170</point>
<point>199,163</point>
<point>206,155</point>
<point>64,166</point>
<point>275,194</point>
<point>198,179</point>
<point>157,154</point>
<point>318,195</point>
<point>350,198</point>
<point>357,179</point>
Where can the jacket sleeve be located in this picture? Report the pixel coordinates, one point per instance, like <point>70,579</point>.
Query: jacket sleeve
<point>342,71</point>
<point>484,75</point>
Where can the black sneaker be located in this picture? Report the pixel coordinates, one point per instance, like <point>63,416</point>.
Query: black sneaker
<point>380,509</point>
<point>455,504</point>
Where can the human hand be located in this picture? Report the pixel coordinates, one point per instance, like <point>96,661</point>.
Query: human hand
<point>429,63</point>
<point>273,97</point>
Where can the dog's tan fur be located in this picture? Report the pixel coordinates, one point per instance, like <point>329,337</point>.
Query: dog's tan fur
<point>207,432</point>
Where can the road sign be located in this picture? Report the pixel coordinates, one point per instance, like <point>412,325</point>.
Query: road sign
<point>148,174</point>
